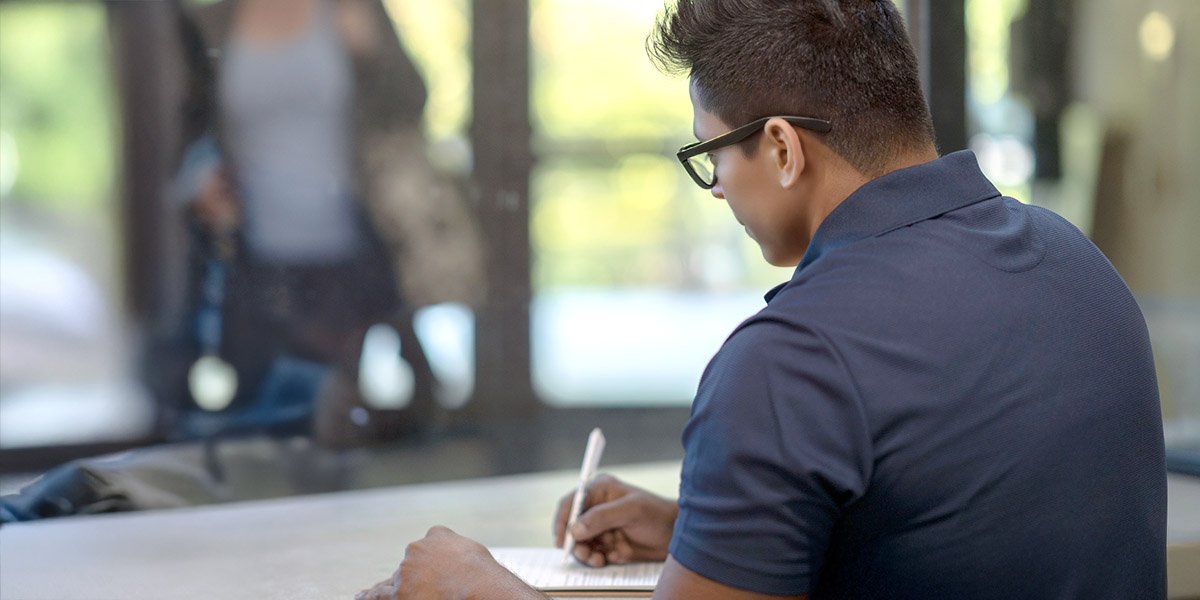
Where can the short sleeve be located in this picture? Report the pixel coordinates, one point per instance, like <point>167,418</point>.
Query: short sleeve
<point>775,449</point>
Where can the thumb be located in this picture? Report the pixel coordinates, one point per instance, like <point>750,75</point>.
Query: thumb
<point>603,517</point>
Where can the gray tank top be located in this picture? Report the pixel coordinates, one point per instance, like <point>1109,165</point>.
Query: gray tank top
<point>287,124</point>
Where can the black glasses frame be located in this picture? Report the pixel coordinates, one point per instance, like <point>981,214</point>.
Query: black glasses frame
<point>734,136</point>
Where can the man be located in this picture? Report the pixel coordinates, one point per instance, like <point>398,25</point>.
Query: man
<point>953,397</point>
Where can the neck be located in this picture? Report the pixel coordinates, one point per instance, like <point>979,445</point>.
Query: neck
<point>842,180</point>
<point>908,159</point>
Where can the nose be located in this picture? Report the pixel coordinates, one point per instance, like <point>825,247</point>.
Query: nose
<point>718,191</point>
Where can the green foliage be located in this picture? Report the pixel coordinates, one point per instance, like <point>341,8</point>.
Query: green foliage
<point>436,35</point>
<point>56,102</point>
<point>988,22</point>
<point>591,75</point>
<point>610,205</point>
<point>603,216</point>
<point>604,226</point>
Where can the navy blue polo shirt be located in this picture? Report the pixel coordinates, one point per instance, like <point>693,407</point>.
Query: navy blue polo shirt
<point>953,397</point>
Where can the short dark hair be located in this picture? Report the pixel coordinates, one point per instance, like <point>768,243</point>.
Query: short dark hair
<point>846,61</point>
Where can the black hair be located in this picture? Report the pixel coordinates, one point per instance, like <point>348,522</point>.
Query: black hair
<point>847,61</point>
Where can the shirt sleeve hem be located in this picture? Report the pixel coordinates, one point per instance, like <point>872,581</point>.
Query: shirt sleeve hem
<point>735,575</point>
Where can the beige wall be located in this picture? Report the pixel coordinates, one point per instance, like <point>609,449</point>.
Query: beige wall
<point>1148,191</point>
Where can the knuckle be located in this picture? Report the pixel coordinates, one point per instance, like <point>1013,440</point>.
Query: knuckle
<point>585,520</point>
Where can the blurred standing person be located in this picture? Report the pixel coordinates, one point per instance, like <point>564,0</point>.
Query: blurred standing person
<point>305,148</point>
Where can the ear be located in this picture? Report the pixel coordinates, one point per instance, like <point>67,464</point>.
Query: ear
<point>786,150</point>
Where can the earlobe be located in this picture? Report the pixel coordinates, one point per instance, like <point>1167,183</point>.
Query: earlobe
<point>787,150</point>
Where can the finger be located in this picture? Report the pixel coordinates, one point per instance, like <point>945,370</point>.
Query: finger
<point>581,553</point>
<point>606,541</point>
<point>561,515</point>
<point>589,555</point>
<point>381,591</point>
<point>602,517</point>
<point>602,481</point>
<point>384,592</point>
<point>596,559</point>
<point>599,490</point>
<point>438,530</point>
<point>602,488</point>
<point>621,550</point>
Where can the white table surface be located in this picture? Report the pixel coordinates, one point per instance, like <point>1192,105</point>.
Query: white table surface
<point>333,545</point>
<point>318,547</point>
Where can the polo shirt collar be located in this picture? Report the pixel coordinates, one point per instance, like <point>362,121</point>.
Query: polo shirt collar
<point>897,200</point>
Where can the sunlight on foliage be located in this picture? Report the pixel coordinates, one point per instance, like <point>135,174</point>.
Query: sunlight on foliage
<point>640,221</point>
<point>592,77</point>
<point>610,204</point>
<point>57,103</point>
<point>988,23</point>
<point>601,226</point>
<point>437,36</point>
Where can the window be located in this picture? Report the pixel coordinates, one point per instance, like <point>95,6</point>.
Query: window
<point>65,350</point>
<point>638,275</point>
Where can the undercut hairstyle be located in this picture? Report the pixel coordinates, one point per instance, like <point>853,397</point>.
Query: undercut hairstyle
<point>847,61</point>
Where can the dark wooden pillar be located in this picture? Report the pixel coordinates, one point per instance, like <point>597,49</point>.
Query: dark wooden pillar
<point>916,19</point>
<point>149,79</point>
<point>500,136</point>
<point>1041,72</point>
<point>939,33</point>
<point>144,54</point>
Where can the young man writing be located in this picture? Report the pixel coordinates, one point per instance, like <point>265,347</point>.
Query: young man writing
<point>954,395</point>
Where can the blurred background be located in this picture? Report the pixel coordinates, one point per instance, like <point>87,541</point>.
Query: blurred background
<point>610,278</point>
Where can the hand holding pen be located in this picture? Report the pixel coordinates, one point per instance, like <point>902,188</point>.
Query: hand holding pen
<point>591,460</point>
<point>617,523</point>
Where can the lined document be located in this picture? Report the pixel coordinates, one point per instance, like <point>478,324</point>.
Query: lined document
<point>543,568</point>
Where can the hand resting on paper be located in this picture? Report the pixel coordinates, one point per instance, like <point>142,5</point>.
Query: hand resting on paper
<point>445,565</point>
<point>619,524</point>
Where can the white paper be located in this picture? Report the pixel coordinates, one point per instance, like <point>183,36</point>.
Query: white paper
<point>544,569</point>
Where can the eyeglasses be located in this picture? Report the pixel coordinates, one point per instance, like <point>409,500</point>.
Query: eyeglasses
<point>697,157</point>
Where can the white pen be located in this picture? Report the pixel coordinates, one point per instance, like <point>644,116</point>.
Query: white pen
<point>591,460</point>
